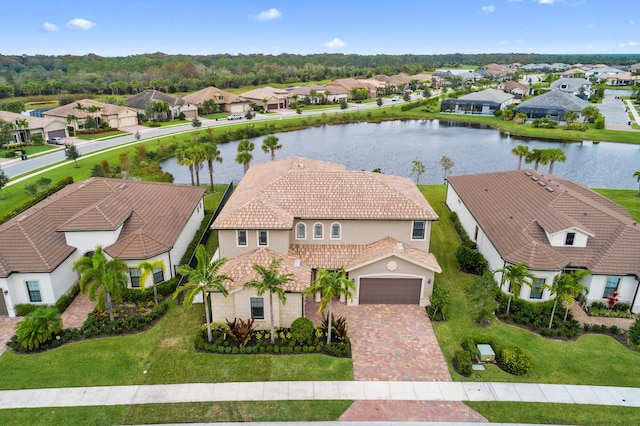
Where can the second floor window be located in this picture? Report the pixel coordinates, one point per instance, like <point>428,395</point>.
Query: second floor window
<point>335,231</point>
<point>419,230</point>
<point>263,239</point>
<point>318,231</point>
<point>301,231</point>
<point>242,237</point>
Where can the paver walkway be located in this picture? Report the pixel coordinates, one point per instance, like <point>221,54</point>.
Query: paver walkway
<point>76,314</point>
<point>411,411</point>
<point>7,329</point>
<point>581,316</point>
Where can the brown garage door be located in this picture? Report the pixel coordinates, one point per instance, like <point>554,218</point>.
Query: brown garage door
<point>391,291</point>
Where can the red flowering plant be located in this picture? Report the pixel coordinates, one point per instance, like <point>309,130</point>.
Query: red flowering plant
<point>613,299</point>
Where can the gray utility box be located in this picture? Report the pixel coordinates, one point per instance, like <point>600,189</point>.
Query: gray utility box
<point>486,353</point>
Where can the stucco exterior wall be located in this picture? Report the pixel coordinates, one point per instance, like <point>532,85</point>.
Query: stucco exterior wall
<point>627,287</point>
<point>183,240</point>
<point>86,241</point>
<point>278,241</point>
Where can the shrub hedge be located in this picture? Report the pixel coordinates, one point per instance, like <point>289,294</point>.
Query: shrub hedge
<point>514,360</point>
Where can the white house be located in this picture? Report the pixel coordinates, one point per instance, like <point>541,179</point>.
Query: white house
<point>552,225</point>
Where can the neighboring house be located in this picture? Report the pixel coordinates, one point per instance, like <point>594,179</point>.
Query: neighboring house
<point>573,86</point>
<point>133,220</point>
<point>602,71</point>
<point>115,116</point>
<point>348,84</point>
<point>228,102</point>
<point>552,225</point>
<point>315,93</point>
<point>46,127</point>
<point>621,79</point>
<point>573,72</point>
<point>485,102</point>
<point>143,99</point>
<point>315,214</point>
<point>268,97</point>
<point>518,90</point>
<point>536,67</point>
<point>496,71</point>
<point>553,105</point>
<point>432,81</point>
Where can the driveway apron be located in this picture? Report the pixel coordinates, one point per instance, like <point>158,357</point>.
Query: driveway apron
<point>7,329</point>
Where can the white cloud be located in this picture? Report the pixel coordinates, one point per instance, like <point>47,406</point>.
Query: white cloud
<point>269,15</point>
<point>47,26</point>
<point>488,9</point>
<point>80,24</point>
<point>546,1</point>
<point>514,1</point>
<point>630,44</point>
<point>336,42</point>
<point>632,22</point>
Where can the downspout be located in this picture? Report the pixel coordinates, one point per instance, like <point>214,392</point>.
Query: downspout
<point>170,265</point>
<point>635,296</point>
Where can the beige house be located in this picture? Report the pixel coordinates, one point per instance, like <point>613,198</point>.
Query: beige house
<point>314,215</point>
<point>25,127</point>
<point>347,84</point>
<point>132,220</point>
<point>552,225</point>
<point>316,93</point>
<point>142,100</point>
<point>116,116</point>
<point>268,97</point>
<point>228,102</point>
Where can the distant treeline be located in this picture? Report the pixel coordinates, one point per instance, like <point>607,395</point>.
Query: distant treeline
<point>43,75</point>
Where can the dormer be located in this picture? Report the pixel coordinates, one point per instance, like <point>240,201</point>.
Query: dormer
<point>570,237</point>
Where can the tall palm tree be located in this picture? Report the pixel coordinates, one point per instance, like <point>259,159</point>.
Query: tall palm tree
<point>517,276</point>
<point>105,279</point>
<point>270,143</point>
<point>330,284</point>
<point>537,156</point>
<point>554,155</point>
<point>636,175</point>
<point>522,151</point>
<point>196,155</point>
<point>205,277</point>
<point>244,157</point>
<point>271,280</point>
<point>567,287</point>
<point>148,268</point>
<point>211,154</point>
<point>183,158</point>
<point>72,119</point>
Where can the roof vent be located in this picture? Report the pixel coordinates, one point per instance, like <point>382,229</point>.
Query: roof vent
<point>23,218</point>
<point>297,263</point>
<point>541,183</point>
<point>123,186</point>
<point>400,246</point>
<point>548,188</point>
<point>301,166</point>
<point>527,173</point>
<point>535,179</point>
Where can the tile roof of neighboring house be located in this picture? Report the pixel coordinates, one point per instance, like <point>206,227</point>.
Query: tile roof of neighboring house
<point>240,269</point>
<point>621,76</point>
<point>142,99</point>
<point>219,96</point>
<point>272,194</point>
<point>423,77</point>
<point>514,85</point>
<point>71,109</point>
<point>266,93</point>
<point>354,256</point>
<point>352,83</point>
<point>399,79</point>
<point>153,215</point>
<point>555,99</point>
<point>381,77</point>
<point>572,71</point>
<point>516,208</point>
<point>491,95</point>
<point>320,88</point>
<point>34,122</point>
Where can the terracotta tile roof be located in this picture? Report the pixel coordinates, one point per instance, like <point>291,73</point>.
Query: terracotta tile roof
<point>267,92</point>
<point>71,109</point>
<point>34,122</point>
<point>153,214</point>
<point>219,96</point>
<point>320,88</point>
<point>240,269</point>
<point>272,194</point>
<point>513,207</point>
<point>329,256</point>
<point>144,98</point>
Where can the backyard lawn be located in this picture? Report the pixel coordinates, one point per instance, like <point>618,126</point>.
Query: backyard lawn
<point>554,361</point>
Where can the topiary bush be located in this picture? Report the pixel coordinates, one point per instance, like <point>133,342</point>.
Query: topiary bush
<point>302,329</point>
<point>514,360</point>
<point>462,362</point>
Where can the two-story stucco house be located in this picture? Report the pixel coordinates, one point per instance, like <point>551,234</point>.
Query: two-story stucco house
<point>314,215</point>
<point>133,220</point>
<point>552,225</point>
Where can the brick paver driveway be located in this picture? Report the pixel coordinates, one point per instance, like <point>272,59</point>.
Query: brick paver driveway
<point>7,329</point>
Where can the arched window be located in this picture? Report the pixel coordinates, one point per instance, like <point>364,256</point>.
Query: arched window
<point>335,231</point>
<point>301,231</point>
<point>318,231</point>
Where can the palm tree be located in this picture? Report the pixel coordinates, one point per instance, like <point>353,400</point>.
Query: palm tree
<point>517,276</point>
<point>211,154</point>
<point>522,151</point>
<point>183,158</point>
<point>567,287</point>
<point>553,155</point>
<point>270,143</point>
<point>72,119</point>
<point>196,155</point>
<point>636,175</point>
<point>272,281</point>
<point>569,117</point>
<point>148,268</point>
<point>589,113</point>
<point>205,277</point>
<point>105,279</point>
<point>537,156</point>
<point>330,284</point>
<point>244,157</point>
<point>21,125</point>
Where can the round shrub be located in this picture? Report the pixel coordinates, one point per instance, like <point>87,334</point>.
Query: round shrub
<point>302,329</point>
<point>462,362</point>
<point>514,360</point>
<point>634,333</point>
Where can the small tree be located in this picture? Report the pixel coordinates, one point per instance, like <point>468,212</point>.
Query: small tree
<point>417,169</point>
<point>270,144</point>
<point>566,287</point>
<point>379,101</point>
<point>150,268</point>
<point>4,179</point>
<point>447,164</point>
<point>517,276</point>
<point>196,123</point>
<point>343,104</point>
<point>522,151</point>
<point>440,300</point>
<point>244,156</point>
<point>589,113</point>
<point>72,154</point>
<point>38,327</point>
<point>482,295</point>
<point>636,175</point>
<point>569,117</point>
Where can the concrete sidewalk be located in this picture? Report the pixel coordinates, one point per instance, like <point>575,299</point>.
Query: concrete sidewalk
<point>339,390</point>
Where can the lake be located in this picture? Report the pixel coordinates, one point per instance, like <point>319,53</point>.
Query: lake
<point>391,146</point>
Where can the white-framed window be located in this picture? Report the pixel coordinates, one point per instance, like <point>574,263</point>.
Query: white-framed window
<point>419,231</point>
<point>263,237</point>
<point>336,231</point>
<point>301,231</point>
<point>536,288</point>
<point>33,288</point>
<point>611,286</point>
<point>158,275</point>
<point>134,274</point>
<point>571,236</point>
<point>257,308</point>
<point>318,231</point>
<point>242,237</point>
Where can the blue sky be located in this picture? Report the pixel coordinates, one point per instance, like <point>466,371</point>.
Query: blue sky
<point>121,28</point>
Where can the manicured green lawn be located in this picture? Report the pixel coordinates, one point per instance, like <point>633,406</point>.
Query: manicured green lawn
<point>627,198</point>
<point>166,123</point>
<point>553,361</point>
<point>107,135</point>
<point>166,352</point>
<point>560,414</point>
<point>200,412</point>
